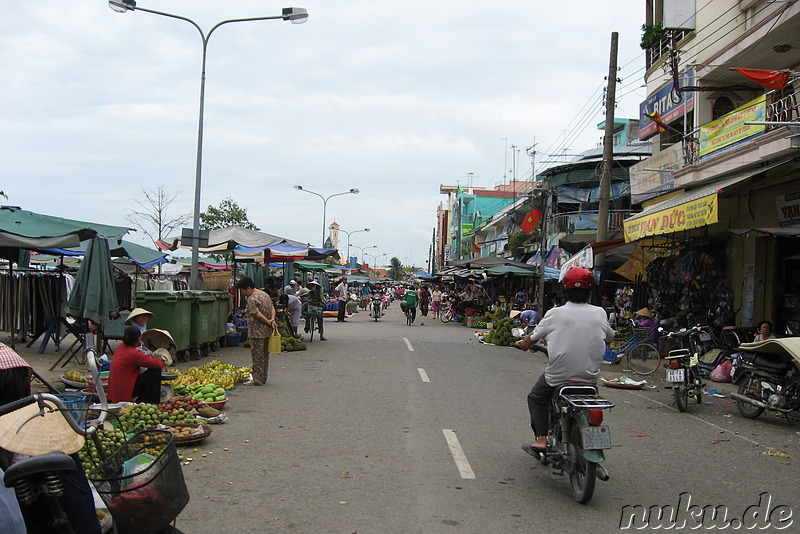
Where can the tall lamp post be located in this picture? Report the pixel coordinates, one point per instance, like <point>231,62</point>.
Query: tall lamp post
<point>348,240</point>
<point>325,200</point>
<point>375,257</point>
<point>362,249</point>
<point>296,15</point>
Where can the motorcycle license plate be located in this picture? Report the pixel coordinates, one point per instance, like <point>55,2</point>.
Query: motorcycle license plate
<point>675,375</point>
<point>704,336</point>
<point>596,437</point>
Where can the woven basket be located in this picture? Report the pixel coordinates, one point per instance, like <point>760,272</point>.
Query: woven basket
<point>216,280</point>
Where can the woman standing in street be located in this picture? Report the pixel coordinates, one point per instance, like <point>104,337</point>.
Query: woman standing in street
<point>260,324</point>
<point>436,301</point>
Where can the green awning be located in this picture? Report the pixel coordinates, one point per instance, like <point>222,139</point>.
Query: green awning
<point>310,265</point>
<point>25,229</point>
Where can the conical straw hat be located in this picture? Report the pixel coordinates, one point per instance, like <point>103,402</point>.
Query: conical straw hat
<point>24,431</point>
<point>154,338</point>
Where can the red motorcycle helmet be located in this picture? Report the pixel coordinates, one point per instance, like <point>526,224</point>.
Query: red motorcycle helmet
<point>578,278</point>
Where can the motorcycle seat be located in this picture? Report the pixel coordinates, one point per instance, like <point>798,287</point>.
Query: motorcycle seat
<point>770,364</point>
<point>44,463</point>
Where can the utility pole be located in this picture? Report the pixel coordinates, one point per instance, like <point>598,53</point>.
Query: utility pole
<point>608,153</point>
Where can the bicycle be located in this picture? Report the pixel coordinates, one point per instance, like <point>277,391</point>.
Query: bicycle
<point>642,357</point>
<point>313,320</point>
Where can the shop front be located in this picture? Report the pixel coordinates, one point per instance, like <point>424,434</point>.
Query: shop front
<point>729,252</point>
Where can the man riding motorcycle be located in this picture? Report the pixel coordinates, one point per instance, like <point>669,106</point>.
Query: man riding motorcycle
<point>576,335</point>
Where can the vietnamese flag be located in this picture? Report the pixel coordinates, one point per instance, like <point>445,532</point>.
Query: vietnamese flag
<point>529,222</point>
<point>768,79</point>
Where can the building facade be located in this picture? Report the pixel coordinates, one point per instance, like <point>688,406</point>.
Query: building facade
<point>722,116</point>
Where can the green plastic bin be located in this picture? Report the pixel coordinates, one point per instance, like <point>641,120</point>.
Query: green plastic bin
<point>202,330</point>
<point>172,312</point>
<point>222,309</point>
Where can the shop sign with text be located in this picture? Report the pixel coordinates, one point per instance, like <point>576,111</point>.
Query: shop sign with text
<point>731,128</point>
<point>693,214</point>
<point>788,208</point>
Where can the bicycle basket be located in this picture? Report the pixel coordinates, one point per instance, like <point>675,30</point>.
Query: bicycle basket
<point>641,332</point>
<point>150,497</point>
<point>316,311</point>
<point>77,405</point>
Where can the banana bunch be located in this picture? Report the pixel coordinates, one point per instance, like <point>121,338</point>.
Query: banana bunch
<point>223,375</point>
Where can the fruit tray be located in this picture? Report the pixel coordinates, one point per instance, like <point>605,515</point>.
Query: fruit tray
<point>195,438</point>
<point>218,404</point>
<point>72,383</point>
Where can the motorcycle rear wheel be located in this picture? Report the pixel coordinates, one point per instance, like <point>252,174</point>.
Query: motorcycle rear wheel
<point>584,472</point>
<point>749,384</point>
<point>681,393</point>
<point>446,316</point>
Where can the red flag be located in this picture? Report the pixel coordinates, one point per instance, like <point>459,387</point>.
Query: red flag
<point>768,79</point>
<point>529,222</point>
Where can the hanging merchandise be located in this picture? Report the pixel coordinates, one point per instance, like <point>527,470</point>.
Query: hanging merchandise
<point>689,289</point>
<point>623,299</point>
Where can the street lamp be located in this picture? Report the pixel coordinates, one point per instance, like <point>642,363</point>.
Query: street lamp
<point>325,200</point>
<point>375,257</point>
<point>296,15</point>
<point>362,249</point>
<point>348,240</point>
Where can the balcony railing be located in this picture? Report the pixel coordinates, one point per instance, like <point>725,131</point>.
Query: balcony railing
<point>569,223</point>
<point>782,105</point>
<point>661,48</point>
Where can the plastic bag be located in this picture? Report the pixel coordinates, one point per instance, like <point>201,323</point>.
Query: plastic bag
<point>518,332</point>
<point>274,346</point>
<point>722,372</point>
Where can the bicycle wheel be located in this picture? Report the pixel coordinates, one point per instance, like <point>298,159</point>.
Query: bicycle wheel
<point>312,325</point>
<point>730,340</point>
<point>408,317</point>
<point>643,359</point>
<point>446,316</point>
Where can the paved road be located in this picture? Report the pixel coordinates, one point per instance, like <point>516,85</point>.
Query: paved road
<point>394,429</point>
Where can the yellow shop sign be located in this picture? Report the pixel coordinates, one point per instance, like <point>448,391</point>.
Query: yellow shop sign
<point>691,214</point>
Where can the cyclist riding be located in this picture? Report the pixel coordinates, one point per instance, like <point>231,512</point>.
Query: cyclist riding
<point>576,335</point>
<point>409,306</point>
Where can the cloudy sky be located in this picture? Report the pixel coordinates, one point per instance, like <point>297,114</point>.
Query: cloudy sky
<point>391,97</point>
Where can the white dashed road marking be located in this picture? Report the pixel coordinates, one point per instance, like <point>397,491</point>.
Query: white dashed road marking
<point>408,344</point>
<point>458,454</point>
<point>423,375</point>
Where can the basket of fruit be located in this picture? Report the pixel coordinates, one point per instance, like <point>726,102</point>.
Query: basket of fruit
<point>185,434</point>
<point>149,497</point>
<point>74,379</point>
<point>217,404</point>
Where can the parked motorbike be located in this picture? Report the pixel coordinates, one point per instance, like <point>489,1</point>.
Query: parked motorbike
<point>376,309</point>
<point>576,436</point>
<point>684,375</point>
<point>770,378</point>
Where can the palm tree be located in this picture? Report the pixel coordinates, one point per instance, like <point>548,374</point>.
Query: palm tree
<point>396,269</point>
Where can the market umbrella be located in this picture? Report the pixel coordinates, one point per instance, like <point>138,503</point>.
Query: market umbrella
<point>93,296</point>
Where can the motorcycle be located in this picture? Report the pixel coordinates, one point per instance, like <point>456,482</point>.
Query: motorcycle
<point>770,377</point>
<point>376,309</point>
<point>576,436</point>
<point>683,371</point>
